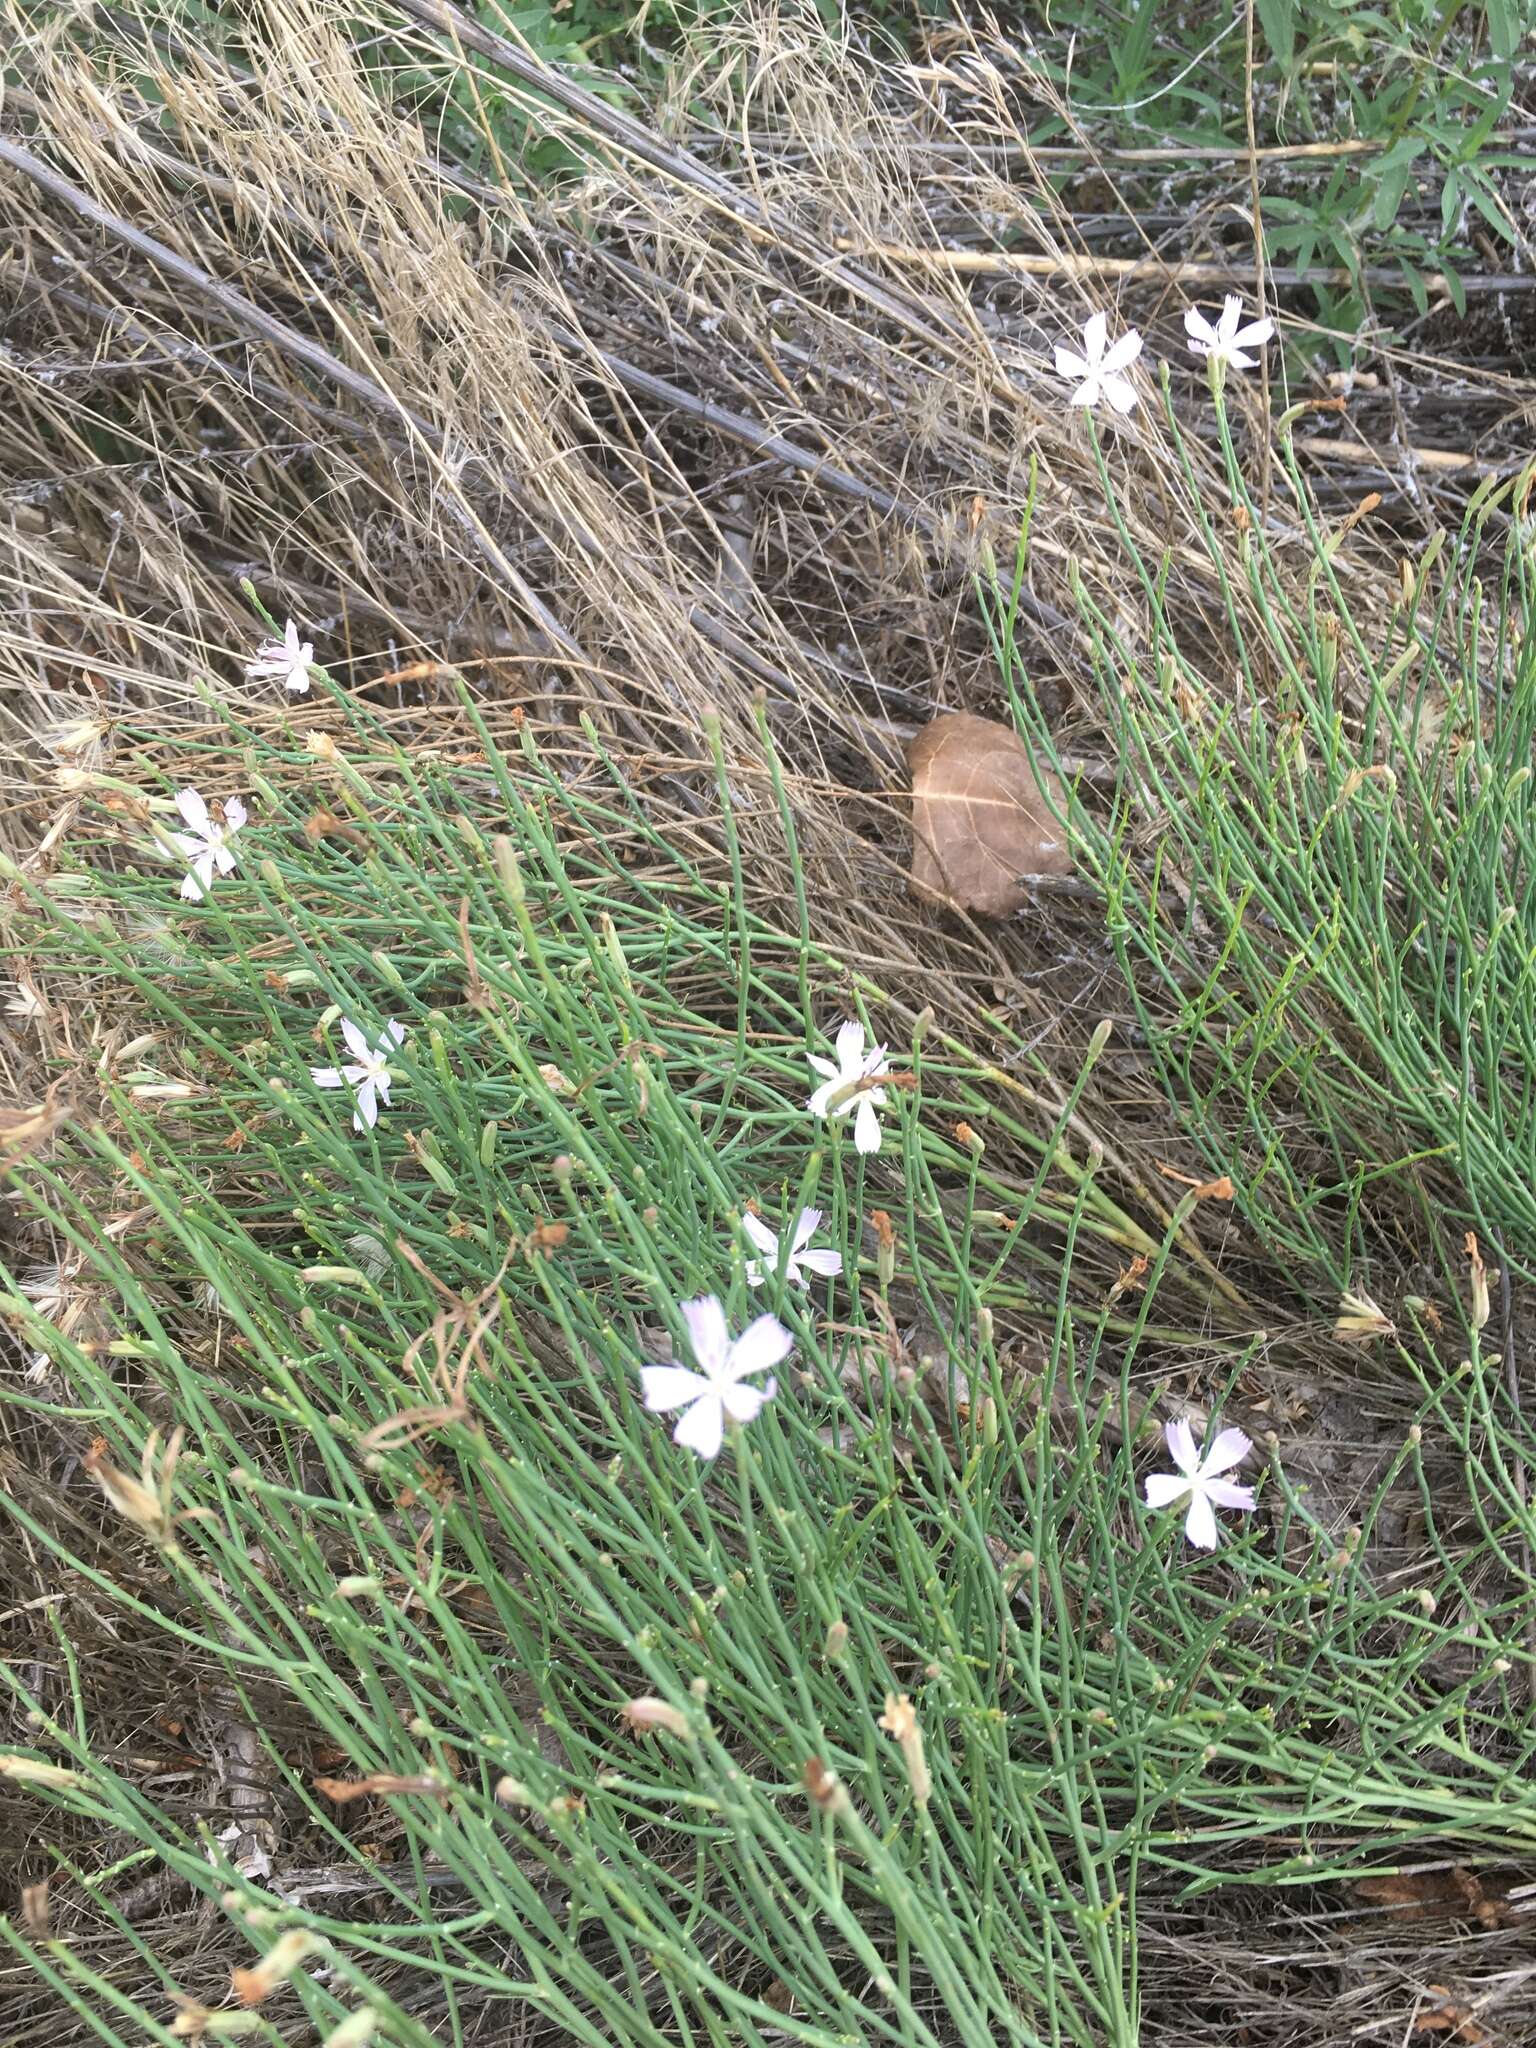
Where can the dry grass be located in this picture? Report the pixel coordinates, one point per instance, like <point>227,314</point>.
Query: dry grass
<point>640,447</point>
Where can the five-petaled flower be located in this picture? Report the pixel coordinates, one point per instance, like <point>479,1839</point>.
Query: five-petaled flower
<point>289,658</point>
<point>718,1389</point>
<point>1198,1476</point>
<point>802,1253</point>
<point>367,1071</point>
<point>206,848</point>
<point>1097,370</point>
<point>1227,340</point>
<point>846,1087</point>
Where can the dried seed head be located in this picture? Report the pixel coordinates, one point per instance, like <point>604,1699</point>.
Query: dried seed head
<point>355,2031</point>
<point>1480,1306</point>
<point>276,1966</point>
<point>825,1789</point>
<point>900,1720</point>
<point>1359,1320</point>
<point>648,1713</point>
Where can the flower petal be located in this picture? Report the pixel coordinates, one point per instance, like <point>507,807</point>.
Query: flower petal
<point>1069,364</point>
<point>1123,354</point>
<point>1122,396</point>
<point>192,807</point>
<point>391,1036</point>
<point>1231,313</point>
<point>1200,1522</point>
<point>866,1126</point>
<point>1180,1439</point>
<point>326,1077</point>
<point>355,1039</point>
<point>850,1046</point>
<point>823,1066</point>
<point>820,1104</point>
<point>234,814</point>
<point>1095,332</point>
<point>807,1223</point>
<point>707,1335</point>
<point>665,1387</point>
<point>743,1402</point>
<point>366,1113</point>
<point>297,682</point>
<point>702,1427</point>
<point>1224,1451</point>
<point>192,889</point>
<point>1226,1495</point>
<point>1201,333</point>
<point>826,1262</point>
<point>1164,1488</point>
<point>761,1236</point>
<point>761,1344</point>
<point>1087,393</point>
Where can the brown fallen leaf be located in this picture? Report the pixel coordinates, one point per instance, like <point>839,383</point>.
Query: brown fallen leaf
<point>981,816</point>
<point>1448,2017</point>
<point>1440,1891</point>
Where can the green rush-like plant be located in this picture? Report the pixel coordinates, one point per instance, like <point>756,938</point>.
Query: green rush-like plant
<point>1321,881</point>
<point>397,1494</point>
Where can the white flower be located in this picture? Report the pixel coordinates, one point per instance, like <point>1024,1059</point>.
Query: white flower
<point>718,1388</point>
<point>1196,1476</point>
<point>289,658</point>
<point>24,1002</point>
<point>206,848</point>
<point>801,1252</point>
<point>1098,370</point>
<point>845,1087</point>
<point>367,1071</point>
<point>1226,341</point>
<point>368,1253</point>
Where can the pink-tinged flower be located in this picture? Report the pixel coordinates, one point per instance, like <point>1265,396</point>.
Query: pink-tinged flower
<point>1097,370</point>
<point>367,1071</point>
<point>1226,341</point>
<point>290,658</point>
<point>1198,1477</point>
<point>802,1253</point>
<point>718,1389</point>
<point>846,1086</point>
<point>206,848</point>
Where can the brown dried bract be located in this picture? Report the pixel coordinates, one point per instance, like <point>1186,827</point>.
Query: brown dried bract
<point>982,817</point>
<point>344,1790</point>
<point>824,1788</point>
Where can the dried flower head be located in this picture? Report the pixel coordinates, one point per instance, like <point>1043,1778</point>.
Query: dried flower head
<point>900,1720</point>
<point>648,1713</point>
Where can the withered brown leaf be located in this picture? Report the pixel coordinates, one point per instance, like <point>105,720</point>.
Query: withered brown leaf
<point>981,816</point>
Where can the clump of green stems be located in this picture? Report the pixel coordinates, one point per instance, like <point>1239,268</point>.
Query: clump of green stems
<point>1318,875</point>
<point>617,1046</point>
